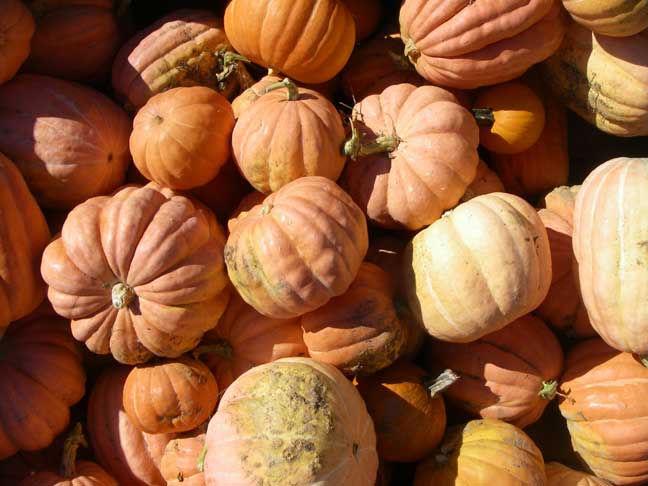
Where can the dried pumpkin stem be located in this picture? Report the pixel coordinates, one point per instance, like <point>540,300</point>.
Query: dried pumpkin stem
<point>72,444</point>
<point>411,49</point>
<point>200,464</point>
<point>221,348</point>
<point>484,116</point>
<point>440,383</point>
<point>122,295</point>
<point>549,389</point>
<point>293,91</point>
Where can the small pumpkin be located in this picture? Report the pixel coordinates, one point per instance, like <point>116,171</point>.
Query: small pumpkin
<point>485,182</point>
<point>560,475</point>
<point>182,462</point>
<point>293,421</point>
<point>16,29</point>
<point>614,18</point>
<point>280,279</point>
<point>181,138</point>
<point>366,15</point>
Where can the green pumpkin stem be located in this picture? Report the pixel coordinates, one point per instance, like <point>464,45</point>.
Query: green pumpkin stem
<point>293,90</point>
<point>484,117</point>
<point>122,295</point>
<point>441,383</point>
<point>549,390</point>
<point>200,464</point>
<point>72,444</point>
<point>355,147</point>
<point>644,361</point>
<point>221,348</point>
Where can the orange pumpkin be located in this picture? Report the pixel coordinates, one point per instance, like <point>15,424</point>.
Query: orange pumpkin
<point>559,475</point>
<point>140,273</point>
<point>366,15</point>
<point>181,463</point>
<point>248,202</point>
<point>16,30</point>
<point>181,138</point>
<point>485,182</point>
<point>613,18</point>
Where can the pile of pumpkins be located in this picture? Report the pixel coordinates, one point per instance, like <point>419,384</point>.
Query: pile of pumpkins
<point>321,242</point>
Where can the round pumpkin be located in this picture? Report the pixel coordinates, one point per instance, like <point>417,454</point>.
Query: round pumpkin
<point>70,142</point>
<point>306,139</point>
<point>307,41</point>
<point>16,30</point>
<point>615,18</point>
<point>496,249</point>
<point>610,243</point>
<point>459,45</point>
<point>181,138</point>
<point>559,475</point>
<point>248,202</point>
<point>485,182</point>
<point>366,15</point>
<point>181,463</point>
<point>170,396</point>
<point>501,375</point>
<point>414,154</point>
<point>293,421</point>
<point>297,250</point>
<point>139,273</point>
<point>605,408</point>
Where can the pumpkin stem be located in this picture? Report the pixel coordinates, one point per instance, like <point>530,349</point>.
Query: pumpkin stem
<point>230,63</point>
<point>221,348</point>
<point>401,61</point>
<point>411,51</point>
<point>273,72</point>
<point>293,91</point>
<point>200,464</point>
<point>72,444</point>
<point>440,383</point>
<point>484,117</point>
<point>644,361</point>
<point>354,147</point>
<point>549,389</point>
<point>122,295</point>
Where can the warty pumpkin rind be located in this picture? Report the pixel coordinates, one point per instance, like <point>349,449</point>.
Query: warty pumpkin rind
<point>16,30</point>
<point>560,475</point>
<point>615,18</point>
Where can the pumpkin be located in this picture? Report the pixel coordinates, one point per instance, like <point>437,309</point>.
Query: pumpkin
<point>484,452</point>
<point>70,142</point>
<point>181,138</point>
<point>170,396</point>
<point>139,273</point>
<point>414,154</point>
<point>366,15</point>
<point>248,202</point>
<point>605,408</point>
<point>293,421</point>
<point>297,250</point>
<point>611,17</point>
<point>307,141</point>
<point>457,45</point>
<point>181,463</point>
<point>559,475</point>
<point>42,377</point>
<point>244,339</point>
<point>359,331</point>
<point>497,251</point>
<point>602,79</point>
<point>23,237</point>
<point>500,375</point>
<point>610,243</point>
<point>128,454</point>
<point>184,48</point>
<point>407,411</point>
<point>41,7</point>
<point>485,182</point>
<point>16,29</point>
<point>24,464</point>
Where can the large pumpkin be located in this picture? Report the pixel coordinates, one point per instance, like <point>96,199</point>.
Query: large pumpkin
<point>16,28</point>
<point>559,475</point>
<point>297,250</point>
<point>366,15</point>
<point>496,249</point>
<point>414,155</point>
<point>181,463</point>
<point>140,273</point>
<point>461,45</point>
<point>70,142</point>
<point>616,18</point>
<point>610,243</point>
<point>293,421</point>
<point>605,407</point>
<point>309,41</point>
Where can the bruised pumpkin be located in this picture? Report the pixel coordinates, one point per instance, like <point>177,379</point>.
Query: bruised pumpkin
<point>16,30</point>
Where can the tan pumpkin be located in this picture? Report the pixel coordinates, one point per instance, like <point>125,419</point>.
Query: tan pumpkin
<point>284,279</point>
<point>140,273</point>
<point>414,154</point>
<point>16,30</point>
<point>181,463</point>
<point>485,182</point>
<point>615,18</point>
<point>497,251</point>
<point>610,235</point>
<point>70,142</point>
<point>366,15</point>
<point>560,475</point>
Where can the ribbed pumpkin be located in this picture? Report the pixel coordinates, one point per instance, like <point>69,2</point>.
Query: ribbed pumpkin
<point>559,475</point>
<point>309,41</point>
<point>615,18</point>
<point>297,250</point>
<point>359,332</point>
<point>496,249</point>
<point>70,142</point>
<point>140,273</point>
<point>180,462</point>
<point>366,15</point>
<point>307,138</point>
<point>414,155</point>
<point>482,453</point>
<point>16,29</point>
<point>501,375</point>
<point>603,79</point>
<point>181,138</point>
<point>461,45</point>
<point>606,411</point>
<point>244,339</point>
<point>611,246</point>
<point>293,421</point>
<point>485,182</point>
<point>42,377</point>
<point>23,237</point>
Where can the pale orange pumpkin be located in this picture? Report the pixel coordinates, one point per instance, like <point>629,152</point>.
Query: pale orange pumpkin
<point>248,202</point>
<point>485,182</point>
<point>16,30</point>
<point>613,18</point>
<point>181,463</point>
<point>560,475</point>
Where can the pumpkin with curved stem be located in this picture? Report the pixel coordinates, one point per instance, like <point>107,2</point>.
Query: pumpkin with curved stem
<point>16,31</point>
<point>559,475</point>
<point>140,273</point>
<point>485,182</point>
<point>182,462</point>
<point>615,18</point>
<point>366,15</point>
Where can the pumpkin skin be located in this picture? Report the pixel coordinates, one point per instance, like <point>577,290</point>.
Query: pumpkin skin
<point>264,266</point>
<point>609,242</point>
<point>602,79</point>
<point>16,28</point>
<point>459,45</point>
<point>429,156</point>
<point>171,396</point>
<point>87,474</point>
<point>140,273</point>
<point>69,142</point>
<point>366,15</point>
<point>485,182</point>
<point>179,465</point>
<point>181,138</point>
<point>42,377</point>
<point>484,452</point>
<point>559,475</point>
<point>248,202</point>
<point>316,429</point>
<point>501,376</point>
<point>605,408</point>
<point>474,243</point>
<point>612,17</point>
<point>23,237</point>
<point>307,141</point>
